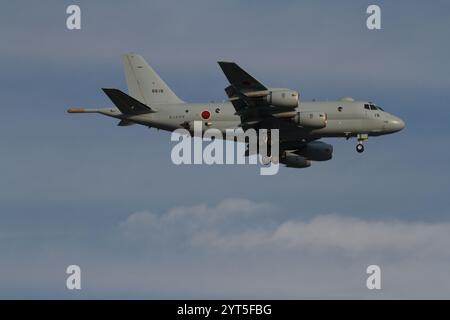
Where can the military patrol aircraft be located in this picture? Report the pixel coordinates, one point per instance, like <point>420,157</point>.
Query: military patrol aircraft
<point>250,104</point>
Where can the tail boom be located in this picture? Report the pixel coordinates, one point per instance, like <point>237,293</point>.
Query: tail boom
<point>83,110</point>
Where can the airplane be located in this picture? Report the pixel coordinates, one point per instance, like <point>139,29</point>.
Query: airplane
<point>250,104</point>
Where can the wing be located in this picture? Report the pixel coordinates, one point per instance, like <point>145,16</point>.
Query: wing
<point>244,90</point>
<point>240,79</point>
<point>249,98</point>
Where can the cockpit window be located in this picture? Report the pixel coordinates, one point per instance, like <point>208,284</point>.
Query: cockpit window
<point>370,106</point>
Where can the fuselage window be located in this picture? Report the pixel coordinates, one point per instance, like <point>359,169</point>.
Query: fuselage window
<point>340,109</point>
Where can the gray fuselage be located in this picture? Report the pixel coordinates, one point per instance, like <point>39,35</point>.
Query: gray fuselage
<point>344,118</point>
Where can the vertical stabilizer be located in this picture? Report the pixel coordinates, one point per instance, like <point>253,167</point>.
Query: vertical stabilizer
<point>144,84</point>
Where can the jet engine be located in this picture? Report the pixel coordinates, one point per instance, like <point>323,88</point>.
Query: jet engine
<point>311,119</point>
<point>316,151</point>
<point>293,160</point>
<point>283,98</point>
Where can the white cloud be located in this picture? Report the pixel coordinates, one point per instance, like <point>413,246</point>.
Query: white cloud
<point>244,224</point>
<point>192,223</point>
<point>357,235</point>
<point>240,248</point>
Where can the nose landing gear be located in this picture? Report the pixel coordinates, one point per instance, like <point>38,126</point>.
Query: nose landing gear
<point>360,148</point>
<point>361,138</point>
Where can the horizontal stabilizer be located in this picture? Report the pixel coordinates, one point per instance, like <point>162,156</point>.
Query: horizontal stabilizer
<point>125,103</point>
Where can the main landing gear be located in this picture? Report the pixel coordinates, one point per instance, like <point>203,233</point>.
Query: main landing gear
<point>361,138</point>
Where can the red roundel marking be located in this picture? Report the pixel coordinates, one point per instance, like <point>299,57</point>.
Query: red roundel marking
<point>205,115</point>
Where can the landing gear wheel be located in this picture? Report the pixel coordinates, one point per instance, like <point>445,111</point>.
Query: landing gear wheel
<point>360,148</point>
<point>266,160</point>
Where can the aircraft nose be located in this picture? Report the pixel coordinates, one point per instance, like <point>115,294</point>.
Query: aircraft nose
<point>397,124</point>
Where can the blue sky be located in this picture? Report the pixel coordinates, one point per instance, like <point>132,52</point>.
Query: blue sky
<point>80,190</point>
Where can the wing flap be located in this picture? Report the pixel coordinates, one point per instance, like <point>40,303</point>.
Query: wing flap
<point>125,123</point>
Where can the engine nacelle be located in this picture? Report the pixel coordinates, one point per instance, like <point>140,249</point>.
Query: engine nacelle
<point>293,160</point>
<point>311,119</point>
<point>283,98</point>
<point>317,151</point>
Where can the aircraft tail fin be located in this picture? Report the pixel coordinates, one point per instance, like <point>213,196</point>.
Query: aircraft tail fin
<point>144,84</point>
<point>125,103</point>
